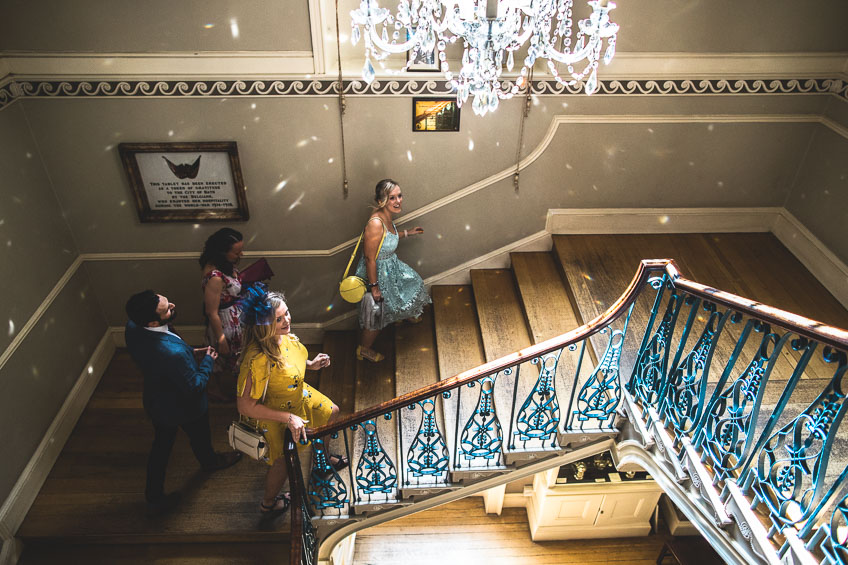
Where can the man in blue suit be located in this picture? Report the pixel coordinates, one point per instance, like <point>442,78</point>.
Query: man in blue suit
<point>174,392</point>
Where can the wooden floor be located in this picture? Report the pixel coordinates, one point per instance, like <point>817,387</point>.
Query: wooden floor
<point>94,494</point>
<point>475,537</point>
<point>95,490</point>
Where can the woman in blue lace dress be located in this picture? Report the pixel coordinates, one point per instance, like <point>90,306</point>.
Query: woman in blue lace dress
<point>393,285</point>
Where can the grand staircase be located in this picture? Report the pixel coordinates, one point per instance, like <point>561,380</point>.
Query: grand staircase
<point>732,406</point>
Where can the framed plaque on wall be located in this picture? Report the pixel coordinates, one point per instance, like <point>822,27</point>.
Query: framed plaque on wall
<point>185,182</point>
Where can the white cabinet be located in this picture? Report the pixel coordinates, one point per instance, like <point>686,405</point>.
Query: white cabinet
<point>593,510</point>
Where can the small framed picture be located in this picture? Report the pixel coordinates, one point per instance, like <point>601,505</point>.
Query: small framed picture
<point>185,182</point>
<point>418,61</point>
<point>435,114</point>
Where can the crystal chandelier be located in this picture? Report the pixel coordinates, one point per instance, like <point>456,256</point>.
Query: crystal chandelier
<point>491,31</point>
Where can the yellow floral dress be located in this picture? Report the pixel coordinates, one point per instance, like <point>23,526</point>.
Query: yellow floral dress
<point>287,390</point>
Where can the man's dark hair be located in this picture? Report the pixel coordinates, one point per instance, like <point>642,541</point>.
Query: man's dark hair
<point>141,308</point>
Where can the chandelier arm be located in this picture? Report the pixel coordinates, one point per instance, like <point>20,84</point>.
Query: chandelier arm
<point>576,57</point>
<point>393,48</point>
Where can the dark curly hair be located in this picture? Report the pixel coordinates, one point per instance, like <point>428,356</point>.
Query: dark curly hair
<point>141,308</point>
<point>216,248</point>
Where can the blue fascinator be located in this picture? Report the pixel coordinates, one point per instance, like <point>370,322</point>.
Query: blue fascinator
<point>256,310</point>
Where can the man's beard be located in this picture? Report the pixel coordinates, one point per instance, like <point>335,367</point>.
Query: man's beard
<point>170,320</point>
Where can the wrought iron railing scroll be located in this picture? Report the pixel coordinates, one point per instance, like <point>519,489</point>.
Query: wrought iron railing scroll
<point>721,389</point>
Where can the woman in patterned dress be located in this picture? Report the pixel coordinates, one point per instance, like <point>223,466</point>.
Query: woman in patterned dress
<point>222,293</point>
<point>271,389</point>
<point>392,283</point>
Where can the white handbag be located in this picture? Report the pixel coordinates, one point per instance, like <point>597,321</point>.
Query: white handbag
<point>249,439</point>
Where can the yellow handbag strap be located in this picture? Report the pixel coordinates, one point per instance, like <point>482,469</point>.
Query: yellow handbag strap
<point>242,417</point>
<point>355,249</point>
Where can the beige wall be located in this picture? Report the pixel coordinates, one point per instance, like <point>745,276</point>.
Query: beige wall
<point>718,26</point>
<point>37,248</point>
<point>33,236</point>
<point>294,139</point>
<point>820,196</point>
<point>120,26</point>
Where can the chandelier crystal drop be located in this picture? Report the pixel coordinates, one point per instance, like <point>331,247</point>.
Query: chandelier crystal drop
<point>491,32</point>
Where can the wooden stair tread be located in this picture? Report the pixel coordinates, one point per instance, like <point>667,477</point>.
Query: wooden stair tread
<point>459,347</point>
<point>338,381</point>
<point>458,343</point>
<point>375,384</point>
<point>415,355</point>
<point>416,366</point>
<point>550,312</point>
<point>503,328</point>
<point>544,297</point>
<point>599,268</point>
<point>502,323</point>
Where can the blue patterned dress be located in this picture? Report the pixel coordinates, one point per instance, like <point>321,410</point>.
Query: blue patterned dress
<point>404,295</point>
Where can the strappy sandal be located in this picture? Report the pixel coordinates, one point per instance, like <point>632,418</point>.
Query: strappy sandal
<point>271,511</point>
<point>341,461</point>
<point>365,354</point>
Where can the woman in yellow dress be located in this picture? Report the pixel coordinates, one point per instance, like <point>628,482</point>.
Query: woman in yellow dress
<point>273,358</point>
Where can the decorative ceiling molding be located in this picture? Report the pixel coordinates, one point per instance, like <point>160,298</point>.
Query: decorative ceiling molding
<point>408,87</point>
<point>320,62</point>
<point>166,65</point>
<point>316,18</point>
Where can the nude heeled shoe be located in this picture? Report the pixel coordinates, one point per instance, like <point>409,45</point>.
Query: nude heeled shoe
<point>368,355</point>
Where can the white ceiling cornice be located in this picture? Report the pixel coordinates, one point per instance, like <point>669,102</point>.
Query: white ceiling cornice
<point>313,65</point>
<point>105,66</point>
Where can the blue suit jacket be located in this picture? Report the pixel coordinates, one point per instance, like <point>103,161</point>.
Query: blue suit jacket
<point>174,383</point>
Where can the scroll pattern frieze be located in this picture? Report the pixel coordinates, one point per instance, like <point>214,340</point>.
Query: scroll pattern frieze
<point>397,87</point>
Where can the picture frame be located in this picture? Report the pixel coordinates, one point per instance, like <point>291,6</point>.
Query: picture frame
<point>435,114</point>
<point>186,182</point>
<point>418,62</point>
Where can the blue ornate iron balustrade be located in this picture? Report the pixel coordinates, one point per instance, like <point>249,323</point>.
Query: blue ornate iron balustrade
<point>479,437</point>
<point>375,471</point>
<point>538,417</point>
<point>791,466</point>
<point>599,397</point>
<point>327,489</point>
<point>428,454</point>
<point>829,536</point>
<point>482,436</point>
<point>777,452</point>
<point>686,386</point>
<point>651,366</point>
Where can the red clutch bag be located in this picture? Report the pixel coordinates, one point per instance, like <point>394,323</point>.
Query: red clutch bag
<point>255,272</point>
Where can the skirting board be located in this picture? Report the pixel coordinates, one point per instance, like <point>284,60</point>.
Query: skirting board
<point>11,552</point>
<point>660,220</point>
<point>16,506</point>
<point>813,254</point>
<point>497,259</point>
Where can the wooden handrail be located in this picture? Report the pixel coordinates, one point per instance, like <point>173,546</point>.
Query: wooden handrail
<point>619,307</point>
<point>806,327</point>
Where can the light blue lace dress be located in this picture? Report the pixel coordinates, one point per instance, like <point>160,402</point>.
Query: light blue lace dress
<point>404,295</point>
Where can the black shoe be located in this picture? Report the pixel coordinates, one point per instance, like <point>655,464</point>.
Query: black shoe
<point>223,460</point>
<point>163,504</point>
